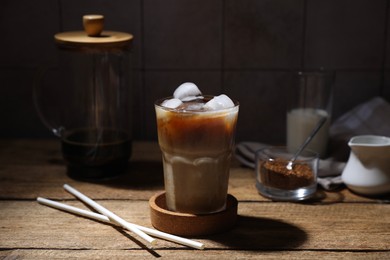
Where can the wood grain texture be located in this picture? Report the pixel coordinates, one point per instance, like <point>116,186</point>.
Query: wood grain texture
<point>177,254</point>
<point>260,226</point>
<point>335,225</point>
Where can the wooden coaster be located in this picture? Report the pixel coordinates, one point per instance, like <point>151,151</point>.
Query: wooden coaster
<point>189,225</point>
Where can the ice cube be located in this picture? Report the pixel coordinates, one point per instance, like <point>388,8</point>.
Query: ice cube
<point>187,91</point>
<point>194,107</point>
<point>171,103</point>
<point>219,102</point>
<point>191,98</point>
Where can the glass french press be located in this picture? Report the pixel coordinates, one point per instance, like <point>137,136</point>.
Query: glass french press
<point>86,99</point>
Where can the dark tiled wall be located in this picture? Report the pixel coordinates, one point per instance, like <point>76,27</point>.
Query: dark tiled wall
<point>244,48</point>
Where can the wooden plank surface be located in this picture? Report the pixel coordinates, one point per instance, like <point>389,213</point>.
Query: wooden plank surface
<point>175,254</point>
<point>336,224</point>
<point>24,164</point>
<point>143,180</point>
<point>261,226</point>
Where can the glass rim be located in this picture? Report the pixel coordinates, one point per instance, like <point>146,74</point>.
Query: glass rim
<point>158,102</point>
<point>282,150</point>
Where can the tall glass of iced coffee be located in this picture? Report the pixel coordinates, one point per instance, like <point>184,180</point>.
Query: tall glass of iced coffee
<point>196,136</point>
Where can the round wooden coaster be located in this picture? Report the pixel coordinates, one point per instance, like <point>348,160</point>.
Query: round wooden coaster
<point>190,225</point>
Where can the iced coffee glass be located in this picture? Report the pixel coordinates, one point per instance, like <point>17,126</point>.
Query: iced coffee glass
<point>197,147</point>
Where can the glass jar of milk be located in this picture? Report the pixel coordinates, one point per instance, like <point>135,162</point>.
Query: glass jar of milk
<point>310,100</point>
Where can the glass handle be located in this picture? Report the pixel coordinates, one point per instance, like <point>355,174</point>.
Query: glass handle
<point>46,110</point>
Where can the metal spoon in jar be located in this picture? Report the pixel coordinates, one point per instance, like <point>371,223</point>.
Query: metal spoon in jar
<point>306,142</point>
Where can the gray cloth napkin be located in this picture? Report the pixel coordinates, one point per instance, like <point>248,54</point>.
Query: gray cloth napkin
<point>371,117</point>
<point>328,173</point>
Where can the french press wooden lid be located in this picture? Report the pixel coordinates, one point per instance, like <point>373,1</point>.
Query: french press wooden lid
<point>93,36</point>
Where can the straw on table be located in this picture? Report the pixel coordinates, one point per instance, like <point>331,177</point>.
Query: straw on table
<point>110,215</point>
<point>103,218</point>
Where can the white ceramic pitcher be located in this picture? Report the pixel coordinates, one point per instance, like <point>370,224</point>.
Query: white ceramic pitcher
<point>368,168</point>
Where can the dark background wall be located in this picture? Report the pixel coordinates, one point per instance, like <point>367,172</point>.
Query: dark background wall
<point>244,48</point>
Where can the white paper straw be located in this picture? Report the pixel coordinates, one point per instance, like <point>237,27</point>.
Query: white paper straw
<point>71,209</point>
<point>110,215</point>
<point>93,215</point>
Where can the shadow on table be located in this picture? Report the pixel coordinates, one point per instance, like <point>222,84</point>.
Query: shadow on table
<point>262,233</point>
<point>323,198</point>
<point>139,175</point>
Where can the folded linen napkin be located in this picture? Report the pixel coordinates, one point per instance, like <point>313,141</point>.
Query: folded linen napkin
<point>328,173</point>
<point>371,117</point>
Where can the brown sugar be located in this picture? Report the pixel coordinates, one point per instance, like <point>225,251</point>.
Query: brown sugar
<point>275,174</point>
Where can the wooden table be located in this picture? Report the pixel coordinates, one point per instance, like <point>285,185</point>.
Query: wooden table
<point>333,225</point>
